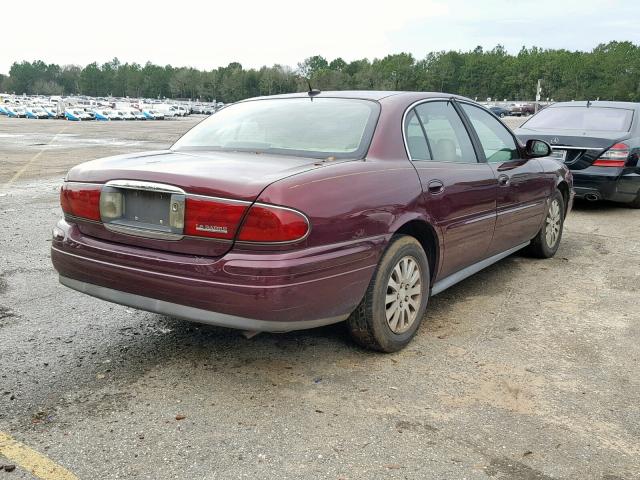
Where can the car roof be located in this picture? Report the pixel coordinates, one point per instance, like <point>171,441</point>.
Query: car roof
<point>598,103</point>
<point>359,94</point>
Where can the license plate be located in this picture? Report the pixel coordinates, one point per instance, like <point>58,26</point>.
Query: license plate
<point>560,155</point>
<point>150,208</point>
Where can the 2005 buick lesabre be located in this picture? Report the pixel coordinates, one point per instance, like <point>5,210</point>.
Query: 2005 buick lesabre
<point>295,211</point>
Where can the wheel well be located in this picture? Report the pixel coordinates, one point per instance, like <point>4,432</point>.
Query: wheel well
<point>426,235</point>
<point>564,190</point>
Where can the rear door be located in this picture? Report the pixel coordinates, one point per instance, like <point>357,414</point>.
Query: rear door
<point>460,191</point>
<point>523,187</point>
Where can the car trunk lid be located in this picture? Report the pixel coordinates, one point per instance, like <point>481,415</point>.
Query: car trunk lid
<point>146,198</point>
<point>577,149</point>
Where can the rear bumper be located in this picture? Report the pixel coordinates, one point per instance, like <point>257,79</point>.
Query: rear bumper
<point>617,185</point>
<point>262,291</point>
<point>193,314</point>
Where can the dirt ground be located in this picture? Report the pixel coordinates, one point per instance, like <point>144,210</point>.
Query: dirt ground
<point>527,371</point>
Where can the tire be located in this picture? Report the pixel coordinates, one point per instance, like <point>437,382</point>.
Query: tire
<point>636,202</point>
<point>545,244</point>
<point>502,115</point>
<point>368,324</point>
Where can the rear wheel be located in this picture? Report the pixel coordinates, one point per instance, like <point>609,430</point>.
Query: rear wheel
<point>636,202</point>
<point>545,244</point>
<point>395,301</point>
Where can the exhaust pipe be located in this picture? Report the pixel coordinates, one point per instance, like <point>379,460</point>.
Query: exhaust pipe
<point>592,197</point>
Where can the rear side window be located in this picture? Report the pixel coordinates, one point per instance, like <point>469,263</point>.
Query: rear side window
<point>497,143</point>
<point>603,119</point>
<point>446,135</point>
<point>416,141</point>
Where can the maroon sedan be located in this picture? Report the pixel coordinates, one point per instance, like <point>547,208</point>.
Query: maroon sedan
<point>296,211</point>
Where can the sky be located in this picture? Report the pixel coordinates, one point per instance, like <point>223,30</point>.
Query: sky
<point>206,35</point>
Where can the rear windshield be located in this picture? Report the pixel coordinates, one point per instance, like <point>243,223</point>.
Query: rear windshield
<point>317,128</point>
<point>603,119</point>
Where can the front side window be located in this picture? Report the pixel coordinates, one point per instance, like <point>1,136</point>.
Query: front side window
<point>446,135</point>
<point>498,144</point>
<point>308,127</point>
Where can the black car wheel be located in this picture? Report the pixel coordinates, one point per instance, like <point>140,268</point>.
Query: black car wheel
<point>636,202</point>
<point>395,301</point>
<point>545,244</point>
<point>502,115</point>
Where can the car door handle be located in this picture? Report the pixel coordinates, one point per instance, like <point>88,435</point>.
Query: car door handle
<point>435,187</point>
<point>503,180</point>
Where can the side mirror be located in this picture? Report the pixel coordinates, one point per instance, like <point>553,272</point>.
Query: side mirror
<point>537,148</point>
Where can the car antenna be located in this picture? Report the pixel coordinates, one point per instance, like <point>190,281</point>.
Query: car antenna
<point>312,91</point>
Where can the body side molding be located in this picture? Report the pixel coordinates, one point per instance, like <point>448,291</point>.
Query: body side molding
<point>442,285</point>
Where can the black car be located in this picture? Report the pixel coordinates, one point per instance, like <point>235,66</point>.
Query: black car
<point>598,141</point>
<point>499,111</point>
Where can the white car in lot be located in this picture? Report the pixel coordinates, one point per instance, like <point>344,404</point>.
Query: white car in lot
<point>15,112</point>
<point>77,115</point>
<point>122,115</point>
<point>35,112</point>
<point>167,110</point>
<point>52,111</point>
<point>170,112</point>
<point>117,115</point>
<point>102,115</point>
<point>153,114</point>
<point>128,114</point>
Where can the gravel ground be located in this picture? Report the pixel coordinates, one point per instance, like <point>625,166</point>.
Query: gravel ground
<point>527,371</point>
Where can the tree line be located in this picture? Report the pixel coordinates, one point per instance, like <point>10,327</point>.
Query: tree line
<point>610,71</point>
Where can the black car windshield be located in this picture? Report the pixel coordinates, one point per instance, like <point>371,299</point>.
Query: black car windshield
<point>603,119</point>
<point>308,127</point>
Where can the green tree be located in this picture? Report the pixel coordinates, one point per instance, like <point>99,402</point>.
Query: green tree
<point>610,71</point>
<point>312,65</point>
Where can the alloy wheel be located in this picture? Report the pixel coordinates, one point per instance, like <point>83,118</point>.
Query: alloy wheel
<point>404,295</point>
<point>553,221</point>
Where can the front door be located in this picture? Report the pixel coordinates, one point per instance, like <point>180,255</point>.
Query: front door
<point>522,189</point>
<point>460,191</point>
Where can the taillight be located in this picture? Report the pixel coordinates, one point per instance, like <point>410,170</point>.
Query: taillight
<point>616,156</point>
<point>81,200</point>
<point>272,224</point>
<point>212,217</point>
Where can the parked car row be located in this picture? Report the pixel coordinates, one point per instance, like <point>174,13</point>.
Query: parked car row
<point>82,108</point>
<point>206,109</point>
<point>105,115</point>
<point>515,109</point>
<point>79,113</point>
<point>16,111</point>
